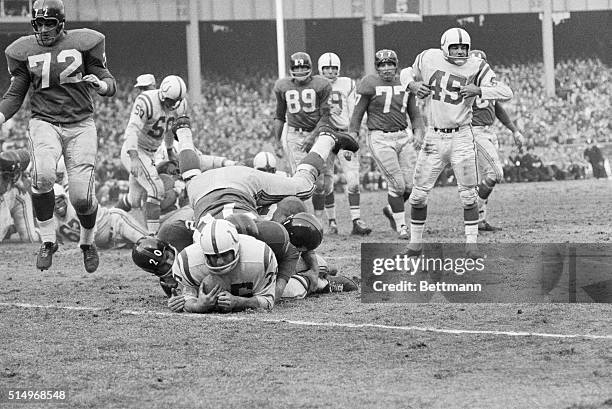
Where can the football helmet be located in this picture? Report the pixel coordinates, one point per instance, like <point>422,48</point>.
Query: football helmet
<point>172,90</point>
<point>479,53</point>
<point>329,60</point>
<point>265,161</point>
<point>153,255</point>
<point>455,36</point>
<point>305,231</point>
<point>386,56</point>
<point>12,164</point>
<point>299,61</point>
<point>220,245</point>
<point>61,203</point>
<point>48,18</point>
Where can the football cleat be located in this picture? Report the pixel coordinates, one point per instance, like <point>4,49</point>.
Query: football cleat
<point>360,228</point>
<point>389,215</point>
<point>340,284</point>
<point>90,257</point>
<point>404,233</point>
<point>44,259</point>
<point>343,140</point>
<point>333,227</point>
<point>485,226</point>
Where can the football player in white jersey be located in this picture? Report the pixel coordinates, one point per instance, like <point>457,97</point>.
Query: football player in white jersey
<point>451,79</point>
<point>113,226</point>
<point>342,103</point>
<point>149,125</point>
<point>15,201</point>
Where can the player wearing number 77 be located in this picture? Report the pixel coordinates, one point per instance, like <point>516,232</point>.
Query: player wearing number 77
<point>451,79</point>
<point>63,68</point>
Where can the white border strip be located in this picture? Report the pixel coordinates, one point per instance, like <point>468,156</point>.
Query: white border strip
<point>313,323</point>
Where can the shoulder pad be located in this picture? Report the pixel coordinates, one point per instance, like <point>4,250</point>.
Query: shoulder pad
<point>84,38</point>
<point>20,48</point>
<point>282,84</point>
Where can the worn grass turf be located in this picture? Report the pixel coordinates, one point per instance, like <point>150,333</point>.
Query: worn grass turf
<point>122,349</point>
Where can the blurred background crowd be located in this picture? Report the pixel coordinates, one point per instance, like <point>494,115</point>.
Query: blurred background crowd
<point>567,137</point>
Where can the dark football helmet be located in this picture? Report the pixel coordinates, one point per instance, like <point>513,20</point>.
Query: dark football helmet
<point>153,255</point>
<point>48,18</point>
<point>305,231</point>
<point>386,56</point>
<point>299,61</point>
<point>12,165</point>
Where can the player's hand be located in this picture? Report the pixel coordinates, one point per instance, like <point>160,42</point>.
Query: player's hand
<point>470,90</point>
<point>348,155</point>
<point>313,279</point>
<point>419,88</point>
<point>176,303</point>
<point>519,139</point>
<point>93,80</point>
<point>226,301</point>
<point>136,167</point>
<point>419,137</point>
<point>208,301</point>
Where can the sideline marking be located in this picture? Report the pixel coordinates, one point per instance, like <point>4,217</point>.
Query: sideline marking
<point>312,323</point>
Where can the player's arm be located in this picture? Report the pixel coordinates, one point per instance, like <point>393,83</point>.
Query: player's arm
<point>325,107</point>
<point>416,119</point>
<point>504,118</point>
<point>351,99</point>
<point>286,268</point>
<point>97,74</point>
<point>360,109</point>
<point>17,91</point>
<point>490,88</point>
<point>412,79</point>
<point>280,113</point>
<point>312,264</point>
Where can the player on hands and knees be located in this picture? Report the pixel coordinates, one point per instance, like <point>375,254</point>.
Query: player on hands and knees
<point>61,67</point>
<point>342,102</point>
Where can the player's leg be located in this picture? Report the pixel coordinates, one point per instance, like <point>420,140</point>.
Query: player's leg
<point>385,155</point>
<point>407,157</point>
<point>46,149</point>
<point>23,216</point>
<point>80,149</point>
<point>126,228</point>
<point>428,166</point>
<point>491,173</point>
<point>465,167</point>
<point>349,162</point>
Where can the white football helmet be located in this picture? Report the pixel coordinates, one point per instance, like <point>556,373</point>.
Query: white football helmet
<point>329,60</point>
<point>265,161</point>
<point>455,36</point>
<point>172,90</point>
<point>220,245</point>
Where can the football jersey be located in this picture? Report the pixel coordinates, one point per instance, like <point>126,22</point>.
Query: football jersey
<point>302,104</point>
<point>483,112</point>
<point>448,108</point>
<point>388,100</point>
<point>253,276</point>
<point>342,102</point>
<point>55,75</point>
<point>150,122</point>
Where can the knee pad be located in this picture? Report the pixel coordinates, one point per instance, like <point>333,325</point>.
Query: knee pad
<point>83,205</point>
<point>43,183</point>
<point>468,197</point>
<point>418,198</point>
<point>353,189</point>
<point>352,182</point>
<point>396,186</point>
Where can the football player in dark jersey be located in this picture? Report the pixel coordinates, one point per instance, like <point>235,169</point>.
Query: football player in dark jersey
<point>63,68</point>
<point>390,135</point>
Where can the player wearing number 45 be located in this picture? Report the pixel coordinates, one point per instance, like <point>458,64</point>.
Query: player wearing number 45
<point>63,68</point>
<point>451,79</point>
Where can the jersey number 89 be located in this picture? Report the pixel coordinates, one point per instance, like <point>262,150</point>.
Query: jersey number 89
<point>301,101</point>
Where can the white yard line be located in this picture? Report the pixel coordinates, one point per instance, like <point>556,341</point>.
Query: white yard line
<point>251,318</point>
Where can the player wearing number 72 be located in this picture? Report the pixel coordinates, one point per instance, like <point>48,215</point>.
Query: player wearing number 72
<point>451,79</point>
<point>63,68</point>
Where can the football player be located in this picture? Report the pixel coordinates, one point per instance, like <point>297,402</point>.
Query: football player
<point>149,125</point>
<point>62,67</point>
<point>452,80</point>
<point>342,102</point>
<point>223,271</point>
<point>15,200</point>
<point>390,134</point>
<point>490,167</point>
<point>113,226</point>
<point>303,102</point>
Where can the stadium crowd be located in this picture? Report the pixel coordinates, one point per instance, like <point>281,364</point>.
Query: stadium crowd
<point>235,120</point>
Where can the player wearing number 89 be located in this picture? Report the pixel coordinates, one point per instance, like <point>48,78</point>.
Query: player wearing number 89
<point>390,136</point>
<point>149,125</point>
<point>302,101</point>
<point>62,68</point>
<point>452,80</point>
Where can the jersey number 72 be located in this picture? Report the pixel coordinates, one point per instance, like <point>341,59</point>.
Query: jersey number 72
<point>63,56</point>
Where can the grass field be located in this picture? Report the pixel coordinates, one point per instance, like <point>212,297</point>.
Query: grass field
<point>109,341</point>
